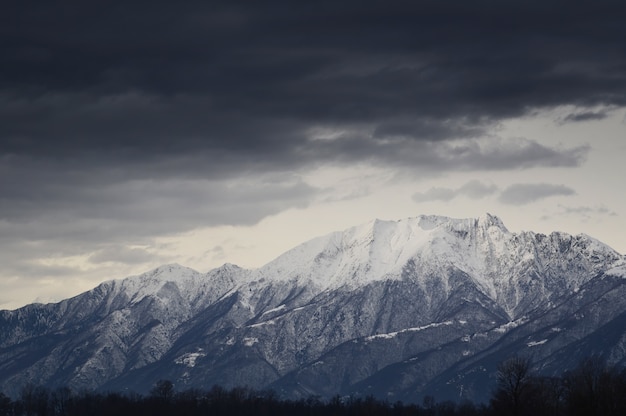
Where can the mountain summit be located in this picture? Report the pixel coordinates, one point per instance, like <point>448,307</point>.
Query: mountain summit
<point>398,309</point>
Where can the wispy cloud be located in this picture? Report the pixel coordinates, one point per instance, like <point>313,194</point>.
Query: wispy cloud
<point>525,193</point>
<point>516,194</point>
<point>119,253</point>
<point>583,212</point>
<point>472,189</point>
<point>585,116</point>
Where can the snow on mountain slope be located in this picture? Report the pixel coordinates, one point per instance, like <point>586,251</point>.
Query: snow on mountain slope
<point>377,250</point>
<point>192,285</point>
<point>507,267</point>
<point>349,303</point>
<point>385,250</point>
<point>502,264</point>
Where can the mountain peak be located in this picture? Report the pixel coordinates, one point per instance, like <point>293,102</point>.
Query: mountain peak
<point>429,222</point>
<point>430,245</point>
<point>380,249</point>
<point>170,268</point>
<point>488,220</point>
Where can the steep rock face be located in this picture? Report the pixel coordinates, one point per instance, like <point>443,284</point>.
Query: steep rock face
<point>393,308</point>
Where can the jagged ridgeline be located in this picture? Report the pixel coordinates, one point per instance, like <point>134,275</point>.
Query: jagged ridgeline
<point>395,309</point>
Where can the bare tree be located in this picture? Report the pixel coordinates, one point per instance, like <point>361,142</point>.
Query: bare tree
<point>163,390</point>
<point>514,386</point>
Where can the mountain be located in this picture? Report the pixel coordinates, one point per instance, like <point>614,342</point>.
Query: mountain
<point>396,309</point>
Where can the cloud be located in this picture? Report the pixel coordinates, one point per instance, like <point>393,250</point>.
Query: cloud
<point>435,194</point>
<point>516,194</point>
<point>216,253</point>
<point>498,154</point>
<point>585,213</point>
<point>161,85</point>
<point>585,116</point>
<point>485,154</point>
<point>137,211</point>
<point>158,98</point>
<point>152,121</point>
<point>122,254</point>
<point>525,193</point>
<point>477,190</point>
<point>162,204</point>
<point>473,189</point>
<point>120,223</point>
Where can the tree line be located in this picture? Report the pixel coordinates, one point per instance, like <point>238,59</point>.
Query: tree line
<point>592,388</point>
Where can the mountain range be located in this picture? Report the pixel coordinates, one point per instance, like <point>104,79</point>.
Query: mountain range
<point>397,309</point>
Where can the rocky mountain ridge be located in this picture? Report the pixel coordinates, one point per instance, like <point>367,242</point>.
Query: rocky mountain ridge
<point>398,309</point>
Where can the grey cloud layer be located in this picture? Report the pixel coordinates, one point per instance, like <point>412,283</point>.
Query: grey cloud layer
<point>144,208</point>
<point>130,120</point>
<point>585,213</point>
<point>144,81</point>
<point>472,189</point>
<point>516,194</point>
<point>525,193</point>
<point>103,223</point>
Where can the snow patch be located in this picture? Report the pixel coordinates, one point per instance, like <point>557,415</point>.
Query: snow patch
<point>618,269</point>
<point>276,309</point>
<point>250,341</point>
<point>416,329</point>
<point>269,322</point>
<point>189,359</point>
<point>511,325</point>
<point>535,343</point>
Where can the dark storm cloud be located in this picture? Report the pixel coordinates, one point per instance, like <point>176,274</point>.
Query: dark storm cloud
<point>152,79</point>
<point>122,121</point>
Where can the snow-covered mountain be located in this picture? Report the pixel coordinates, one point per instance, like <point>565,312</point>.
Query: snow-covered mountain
<point>398,309</point>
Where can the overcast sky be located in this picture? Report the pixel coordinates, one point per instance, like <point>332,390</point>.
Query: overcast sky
<point>138,133</point>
